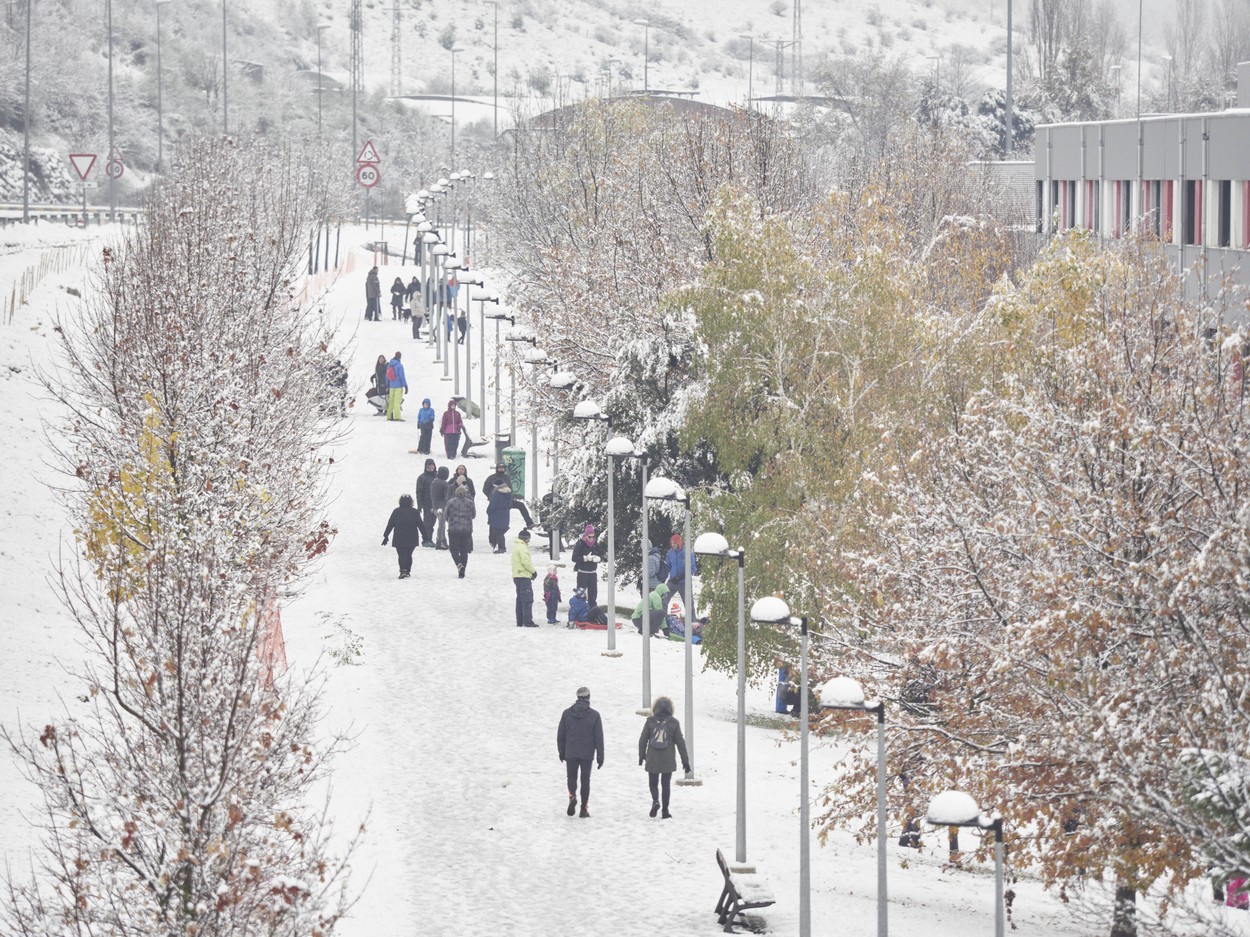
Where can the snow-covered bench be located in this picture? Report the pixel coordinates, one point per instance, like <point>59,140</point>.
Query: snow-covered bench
<point>742,892</point>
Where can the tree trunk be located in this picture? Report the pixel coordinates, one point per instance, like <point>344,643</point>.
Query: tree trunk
<point>1124,921</point>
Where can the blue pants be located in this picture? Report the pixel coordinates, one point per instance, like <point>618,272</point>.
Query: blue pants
<point>524,600</point>
<point>553,606</point>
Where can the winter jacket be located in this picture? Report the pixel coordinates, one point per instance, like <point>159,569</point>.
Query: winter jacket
<point>405,522</point>
<point>663,760</point>
<point>579,608</point>
<point>493,481</point>
<point>439,489</point>
<point>379,378</point>
<point>424,480</point>
<point>414,286</point>
<point>425,416</point>
<point>656,603</point>
<point>451,422</point>
<point>373,286</point>
<point>397,368</point>
<point>582,552</point>
<point>676,560</point>
<point>551,589</point>
<point>460,513</point>
<point>522,562</point>
<point>397,292</point>
<point>581,733</point>
<point>468,483</point>
<point>653,564</point>
<point>499,509</point>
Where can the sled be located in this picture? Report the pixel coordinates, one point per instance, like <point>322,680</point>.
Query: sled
<point>594,626</point>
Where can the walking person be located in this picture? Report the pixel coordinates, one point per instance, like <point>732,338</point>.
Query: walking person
<point>425,423</point>
<point>461,478</point>
<point>397,298</point>
<point>398,385</point>
<point>440,490</point>
<point>450,429</point>
<point>425,503</point>
<point>523,576</point>
<point>658,747</point>
<point>578,740</point>
<point>373,296</point>
<point>460,512</point>
<point>405,524</point>
<point>499,515</point>
<point>586,564</point>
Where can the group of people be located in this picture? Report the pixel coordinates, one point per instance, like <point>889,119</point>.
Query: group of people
<point>441,295</point>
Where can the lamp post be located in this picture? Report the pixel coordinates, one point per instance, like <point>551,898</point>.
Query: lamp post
<point>714,544</point>
<point>495,72</point>
<point>482,317</point>
<point>774,611</point>
<point>646,49</point>
<point>441,255</point>
<point>160,108</point>
<point>519,333</point>
<point>750,71</point>
<point>112,181</point>
<point>468,283</point>
<point>26,115</point>
<point>321,27</point>
<point>454,50</point>
<point>616,446</point>
<point>845,693</point>
<point>665,489</point>
<point>225,76</point>
<point>955,808</point>
<point>428,240</point>
<point>644,457</point>
<point>450,269</point>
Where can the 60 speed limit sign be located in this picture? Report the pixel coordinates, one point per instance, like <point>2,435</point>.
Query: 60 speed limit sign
<point>368,175</point>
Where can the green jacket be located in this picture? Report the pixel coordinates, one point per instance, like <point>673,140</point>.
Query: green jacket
<point>658,596</point>
<point>522,562</point>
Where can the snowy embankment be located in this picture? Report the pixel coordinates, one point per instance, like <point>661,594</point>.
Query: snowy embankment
<point>454,711</point>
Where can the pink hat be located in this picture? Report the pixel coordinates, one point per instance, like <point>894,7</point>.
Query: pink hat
<point>589,531</point>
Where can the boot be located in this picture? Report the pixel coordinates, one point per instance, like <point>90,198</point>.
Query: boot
<point>584,812</point>
<point>572,805</point>
<point>655,808</point>
<point>461,568</point>
<point>665,815</point>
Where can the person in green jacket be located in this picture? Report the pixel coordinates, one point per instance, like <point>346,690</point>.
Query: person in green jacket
<point>659,597</point>
<point>523,576</point>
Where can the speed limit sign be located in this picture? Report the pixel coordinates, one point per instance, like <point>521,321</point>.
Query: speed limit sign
<point>368,175</point>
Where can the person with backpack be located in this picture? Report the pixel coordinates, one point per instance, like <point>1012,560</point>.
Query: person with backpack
<point>523,576</point>
<point>450,429</point>
<point>586,564</point>
<point>405,523</point>
<point>425,423</point>
<point>658,747</point>
<point>398,386</point>
<point>657,567</point>
<point>425,503</point>
<point>654,608</point>
<point>551,594</point>
<point>460,512</point>
<point>579,738</point>
<point>676,562</point>
<point>440,490</point>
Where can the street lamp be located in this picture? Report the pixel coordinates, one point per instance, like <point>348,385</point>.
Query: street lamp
<point>112,178</point>
<point>437,275</point>
<point>750,71</point>
<point>450,270</point>
<point>713,544</point>
<point>468,283</point>
<point>774,611</point>
<point>26,117</point>
<point>482,317</point>
<point>454,50</point>
<point>321,27</point>
<point>495,73</point>
<point>665,489</point>
<point>617,446</point>
<point>955,808</point>
<point>225,76</point>
<point>845,693</point>
<point>427,240</point>
<point>646,48</point>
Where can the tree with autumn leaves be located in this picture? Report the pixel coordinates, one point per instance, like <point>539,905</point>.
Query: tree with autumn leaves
<point>194,389</point>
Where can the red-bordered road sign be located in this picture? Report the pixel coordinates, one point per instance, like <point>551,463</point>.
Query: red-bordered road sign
<point>368,175</point>
<point>369,154</point>
<point>82,163</point>
<point>114,168</point>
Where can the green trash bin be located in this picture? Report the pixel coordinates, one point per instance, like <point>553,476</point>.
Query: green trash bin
<point>514,465</point>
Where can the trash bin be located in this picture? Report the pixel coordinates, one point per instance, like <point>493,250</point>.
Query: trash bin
<point>514,464</point>
<point>502,442</point>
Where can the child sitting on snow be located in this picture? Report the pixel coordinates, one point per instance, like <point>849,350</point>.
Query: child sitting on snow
<point>551,593</point>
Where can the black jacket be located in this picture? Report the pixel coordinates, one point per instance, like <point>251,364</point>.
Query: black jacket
<point>494,481</point>
<point>406,524</point>
<point>580,553</point>
<point>581,733</point>
<point>423,490</point>
<point>440,488</point>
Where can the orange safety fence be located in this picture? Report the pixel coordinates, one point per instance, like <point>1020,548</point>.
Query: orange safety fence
<point>271,648</point>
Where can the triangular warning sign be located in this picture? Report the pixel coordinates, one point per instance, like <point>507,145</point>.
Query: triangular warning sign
<point>369,154</point>
<point>82,163</point>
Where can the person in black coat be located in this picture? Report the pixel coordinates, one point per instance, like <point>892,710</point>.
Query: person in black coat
<point>578,740</point>
<point>405,524</point>
<point>658,747</point>
<point>493,481</point>
<point>586,564</point>
<point>440,491</point>
<point>424,503</point>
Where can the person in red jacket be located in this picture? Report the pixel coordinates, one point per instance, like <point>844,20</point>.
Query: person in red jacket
<point>450,429</point>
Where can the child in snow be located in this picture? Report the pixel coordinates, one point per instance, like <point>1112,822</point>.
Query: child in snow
<point>551,594</point>
<point>579,607</point>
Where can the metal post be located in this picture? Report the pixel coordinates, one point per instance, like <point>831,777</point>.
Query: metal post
<point>534,435</point>
<point>510,442</point>
<point>320,86</point>
<point>112,181</point>
<point>689,779</point>
<point>1009,117</point>
<point>468,349</point>
<point>611,651</point>
<point>26,116</point>
<point>554,539</point>
<point>999,908</point>
<point>512,405</point>
<point>496,72</point>
<point>160,103</point>
<point>452,340</point>
<point>453,119</point>
<point>225,76</point>
<point>883,926</point>
<point>805,872</point>
<point>740,832</point>
<point>646,605</point>
<point>444,292</point>
<point>481,397</point>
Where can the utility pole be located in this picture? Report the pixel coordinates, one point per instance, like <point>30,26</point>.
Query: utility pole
<point>397,78</point>
<point>112,180</point>
<point>358,66</point>
<point>26,125</point>
<point>495,48</point>
<point>225,76</point>
<point>796,55</point>
<point>1010,51</point>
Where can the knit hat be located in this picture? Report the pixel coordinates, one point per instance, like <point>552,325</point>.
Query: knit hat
<point>583,692</point>
<point>551,571</point>
<point>675,541</point>
<point>524,535</point>
<point>589,531</point>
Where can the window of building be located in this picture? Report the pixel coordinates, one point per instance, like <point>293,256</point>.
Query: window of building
<point>1224,213</point>
<point>1069,204</point>
<point>1191,209</point>
<point>1168,204</point>
<point>1041,206</point>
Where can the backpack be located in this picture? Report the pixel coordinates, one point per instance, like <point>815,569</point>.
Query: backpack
<point>390,372</point>
<point>659,736</point>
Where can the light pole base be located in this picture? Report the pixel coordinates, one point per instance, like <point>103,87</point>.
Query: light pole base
<point>643,712</point>
<point>690,781</point>
<point>612,653</point>
<point>446,377</point>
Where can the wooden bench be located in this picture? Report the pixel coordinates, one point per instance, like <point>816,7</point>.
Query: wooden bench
<point>743,892</point>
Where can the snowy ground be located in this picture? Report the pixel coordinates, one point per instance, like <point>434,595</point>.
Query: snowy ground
<point>455,713</point>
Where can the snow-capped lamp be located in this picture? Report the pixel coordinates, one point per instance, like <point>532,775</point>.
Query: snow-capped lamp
<point>563,380</point>
<point>589,410</point>
<point>534,356</point>
<point>618,447</point>
<point>520,333</point>
<point>955,808</point>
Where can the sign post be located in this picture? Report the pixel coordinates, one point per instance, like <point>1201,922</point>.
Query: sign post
<point>83,163</point>
<point>367,173</point>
